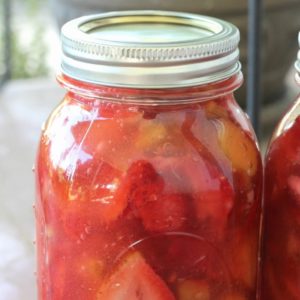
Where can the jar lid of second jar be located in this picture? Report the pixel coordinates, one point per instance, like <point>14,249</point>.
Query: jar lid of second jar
<point>149,49</point>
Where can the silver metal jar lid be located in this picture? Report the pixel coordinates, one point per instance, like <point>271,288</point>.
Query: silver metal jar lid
<point>297,63</point>
<point>149,49</point>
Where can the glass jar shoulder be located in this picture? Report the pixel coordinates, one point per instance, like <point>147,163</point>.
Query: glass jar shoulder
<point>284,146</point>
<point>288,119</point>
<point>283,155</point>
<point>195,148</point>
<point>122,133</point>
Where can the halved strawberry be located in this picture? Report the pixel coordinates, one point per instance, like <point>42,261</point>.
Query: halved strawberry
<point>134,279</point>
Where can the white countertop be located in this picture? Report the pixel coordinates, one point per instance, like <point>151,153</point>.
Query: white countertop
<point>24,105</point>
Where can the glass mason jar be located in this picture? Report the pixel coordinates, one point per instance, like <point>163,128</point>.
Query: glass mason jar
<point>148,173</point>
<point>281,249</point>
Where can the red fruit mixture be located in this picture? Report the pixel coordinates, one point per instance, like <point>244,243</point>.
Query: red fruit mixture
<point>148,203</point>
<point>281,266</point>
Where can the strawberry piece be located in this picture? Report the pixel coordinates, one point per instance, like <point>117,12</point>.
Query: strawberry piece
<point>134,279</point>
<point>294,184</point>
<point>281,280</point>
<point>209,195</point>
<point>159,212</point>
<point>213,206</point>
<point>238,146</point>
<point>143,183</point>
<point>241,255</point>
<point>179,256</point>
<point>201,259</point>
<point>76,277</point>
<point>193,289</point>
<point>94,198</point>
<point>110,140</point>
<point>233,296</point>
<point>213,194</point>
<point>165,213</point>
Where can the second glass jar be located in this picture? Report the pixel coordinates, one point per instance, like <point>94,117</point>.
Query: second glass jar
<point>281,249</point>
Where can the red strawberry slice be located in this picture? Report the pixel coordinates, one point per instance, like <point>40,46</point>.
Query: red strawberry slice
<point>142,173</point>
<point>159,212</point>
<point>294,185</point>
<point>211,194</point>
<point>94,198</point>
<point>165,213</point>
<point>214,206</point>
<point>182,256</point>
<point>241,255</point>
<point>234,296</point>
<point>111,140</point>
<point>134,279</point>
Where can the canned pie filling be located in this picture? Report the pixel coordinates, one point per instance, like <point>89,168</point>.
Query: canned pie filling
<point>148,175</point>
<point>281,266</point>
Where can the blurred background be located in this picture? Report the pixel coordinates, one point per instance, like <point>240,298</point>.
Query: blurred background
<point>29,56</point>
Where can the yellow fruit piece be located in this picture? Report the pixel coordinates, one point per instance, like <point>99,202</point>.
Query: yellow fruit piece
<point>214,110</point>
<point>233,296</point>
<point>90,268</point>
<point>151,134</point>
<point>238,147</point>
<point>243,260</point>
<point>193,289</point>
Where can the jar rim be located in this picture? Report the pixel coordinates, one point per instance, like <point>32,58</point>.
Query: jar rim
<point>179,95</point>
<point>149,49</point>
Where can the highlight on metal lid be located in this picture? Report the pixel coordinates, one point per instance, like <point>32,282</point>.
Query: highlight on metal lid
<point>297,63</point>
<point>149,49</point>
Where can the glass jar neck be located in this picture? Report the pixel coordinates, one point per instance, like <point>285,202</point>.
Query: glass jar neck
<point>151,96</point>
